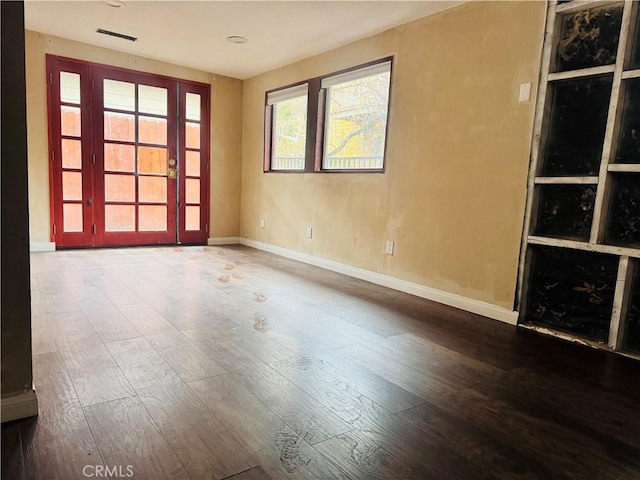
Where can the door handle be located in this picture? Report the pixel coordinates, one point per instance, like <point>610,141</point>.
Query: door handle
<point>172,173</point>
<point>90,202</point>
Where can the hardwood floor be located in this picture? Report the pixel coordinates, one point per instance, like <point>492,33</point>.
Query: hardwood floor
<point>227,362</point>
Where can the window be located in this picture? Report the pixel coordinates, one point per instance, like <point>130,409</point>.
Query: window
<point>288,127</point>
<point>335,123</point>
<point>356,118</point>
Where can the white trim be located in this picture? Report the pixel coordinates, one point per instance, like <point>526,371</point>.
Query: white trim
<point>566,180</point>
<point>42,246</point>
<point>589,247</point>
<point>223,241</point>
<point>631,74</point>
<point>578,5</point>
<point>620,297</point>
<point>22,405</point>
<point>584,72</point>
<point>287,94</point>
<point>564,336</point>
<point>376,69</point>
<point>451,299</point>
<point>624,167</point>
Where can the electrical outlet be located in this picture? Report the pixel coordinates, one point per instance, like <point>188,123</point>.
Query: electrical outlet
<point>262,223</point>
<point>309,232</point>
<point>389,248</point>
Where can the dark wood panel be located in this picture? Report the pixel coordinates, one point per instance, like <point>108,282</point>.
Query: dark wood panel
<point>95,375</point>
<point>472,442</point>
<point>362,458</point>
<point>203,444</point>
<point>451,367</point>
<point>418,383</point>
<point>279,450</point>
<point>191,363</point>
<point>141,363</point>
<point>112,287</point>
<point>58,442</point>
<point>145,318</point>
<point>71,330</point>
<point>127,437</point>
<point>42,339</point>
<point>421,452</point>
<point>302,412</point>
<point>385,392</point>
<point>256,473</point>
<point>568,405</point>
<point>223,349</point>
<point>279,355</point>
<point>12,458</point>
<point>569,451</point>
<point>110,324</point>
<point>233,404</point>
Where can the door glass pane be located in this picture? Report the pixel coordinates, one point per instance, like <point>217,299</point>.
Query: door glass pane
<point>152,130</point>
<point>152,160</point>
<point>119,126</point>
<point>70,121</point>
<point>152,218</point>
<point>152,189</point>
<point>120,218</point>
<point>193,135</point>
<point>119,95</point>
<point>152,100</point>
<point>192,218</point>
<point>72,217</point>
<point>119,188</point>
<point>71,153</point>
<point>71,186</point>
<point>119,158</point>
<point>69,87</point>
<point>192,190</point>
<point>192,164</point>
<point>193,106</point>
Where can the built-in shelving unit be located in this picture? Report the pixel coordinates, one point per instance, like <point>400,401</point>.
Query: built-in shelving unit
<point>580,262</point>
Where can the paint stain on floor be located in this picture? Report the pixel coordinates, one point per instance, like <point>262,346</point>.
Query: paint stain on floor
<point>224,278</point>
<point>260,322</point>
<point>260,297</point>
<point>291,457</point>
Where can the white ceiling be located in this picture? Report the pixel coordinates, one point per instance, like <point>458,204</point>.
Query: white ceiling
<point>194,33</point>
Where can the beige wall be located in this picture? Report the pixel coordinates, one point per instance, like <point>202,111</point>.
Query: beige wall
<point>226,121</point>
<point>453,194</point>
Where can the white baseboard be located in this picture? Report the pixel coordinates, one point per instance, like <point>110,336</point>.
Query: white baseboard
<point>22,405</point>
<point>223,241</point>
<point>42,246</point>
<point>451,299</point>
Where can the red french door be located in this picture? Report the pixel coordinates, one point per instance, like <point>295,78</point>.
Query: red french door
<point>130,157</point>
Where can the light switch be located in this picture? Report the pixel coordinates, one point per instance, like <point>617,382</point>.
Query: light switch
<point>525,92</point>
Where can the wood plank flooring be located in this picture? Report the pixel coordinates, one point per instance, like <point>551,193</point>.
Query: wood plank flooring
<point>231,363</point>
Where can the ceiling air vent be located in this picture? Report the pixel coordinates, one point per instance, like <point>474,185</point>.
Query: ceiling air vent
<point>116,34</point>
